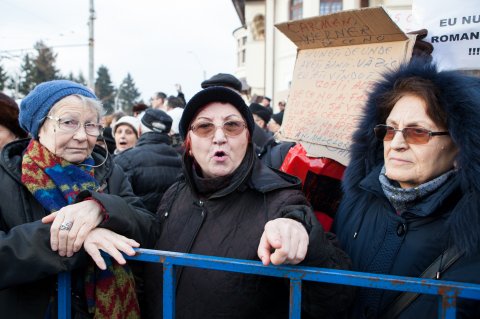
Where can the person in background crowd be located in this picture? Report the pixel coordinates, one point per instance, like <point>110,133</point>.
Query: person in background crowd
<point>411,192</point>
<point>10,129</point>
<point>174,110</point>
<point>106,140</point>
<point>180,94</point>
<point>275,122</point>
<point>111,119</point>
<point>157,101</point>
<point>138,109</point>
<point>229,204</point>
<point>126,132</point>
<point>225,80</point>
<point>281,105</point>
<point>152,166</point>
<point>266,103</point>
<point>57,187</point>
<point>261,115</point>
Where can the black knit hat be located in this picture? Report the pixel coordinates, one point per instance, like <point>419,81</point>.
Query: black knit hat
<point>9,115</point>
<point>278,117</point>
<point>214,94</point>
<point>261,111</point>
<point>223,79</point>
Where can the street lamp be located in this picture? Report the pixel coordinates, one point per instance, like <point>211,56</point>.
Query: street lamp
<point>199,63</point>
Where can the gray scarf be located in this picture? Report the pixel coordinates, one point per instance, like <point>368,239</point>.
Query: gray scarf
<point>404,198</point>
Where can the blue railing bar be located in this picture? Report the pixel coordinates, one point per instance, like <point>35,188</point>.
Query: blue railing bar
<point>346,277</point>
<point>64,296</point>
<point>169,278</point>
<point>295,299</point>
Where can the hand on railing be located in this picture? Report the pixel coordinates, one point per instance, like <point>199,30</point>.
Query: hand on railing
<point>287,239</point>
<point>109,242</point>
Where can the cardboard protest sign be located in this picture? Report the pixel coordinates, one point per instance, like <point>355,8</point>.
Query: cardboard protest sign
<point>454,31</point>
<point>339,57</point>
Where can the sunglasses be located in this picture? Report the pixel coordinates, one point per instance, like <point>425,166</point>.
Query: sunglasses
<point>207,129</point>
<point>412,135</point>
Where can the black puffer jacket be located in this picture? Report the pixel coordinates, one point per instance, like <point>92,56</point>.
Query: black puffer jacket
<point>28,266</point>
<point>152,166</point>
<point>229,223</point>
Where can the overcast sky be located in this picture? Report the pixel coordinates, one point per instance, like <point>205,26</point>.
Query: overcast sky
<point>159,42</point>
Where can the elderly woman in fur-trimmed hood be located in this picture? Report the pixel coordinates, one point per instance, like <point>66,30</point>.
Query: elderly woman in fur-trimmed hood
<point>412,192</point>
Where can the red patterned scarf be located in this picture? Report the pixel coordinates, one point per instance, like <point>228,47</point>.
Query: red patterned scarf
<point>55,183</point>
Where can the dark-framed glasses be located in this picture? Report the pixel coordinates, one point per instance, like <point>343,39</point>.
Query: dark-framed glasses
<point>207,129</point>
<point>70,125</point>
<point>412,135</point>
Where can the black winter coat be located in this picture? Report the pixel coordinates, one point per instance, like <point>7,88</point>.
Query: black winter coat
<point>152,166</point>
<point>28,266</point>
<point>229,223</point>
<point>378,240</point>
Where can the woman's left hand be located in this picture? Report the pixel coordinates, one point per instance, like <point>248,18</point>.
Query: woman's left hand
<point>71,225</point>
<point>284,241</point>
<point>111,243</point>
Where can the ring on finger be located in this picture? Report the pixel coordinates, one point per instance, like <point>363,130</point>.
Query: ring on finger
<point>66,226</point>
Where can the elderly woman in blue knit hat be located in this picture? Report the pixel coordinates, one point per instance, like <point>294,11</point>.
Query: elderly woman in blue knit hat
<point>56,187</point>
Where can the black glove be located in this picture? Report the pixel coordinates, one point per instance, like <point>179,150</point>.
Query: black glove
<point>422,48</point>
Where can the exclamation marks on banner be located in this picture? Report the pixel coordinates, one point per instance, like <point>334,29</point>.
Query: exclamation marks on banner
<point>474,51</point>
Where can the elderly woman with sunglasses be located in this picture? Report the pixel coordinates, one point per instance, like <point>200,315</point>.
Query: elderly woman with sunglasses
<point>56,187</point>
<point>412,192</point>
<point>229,204</point>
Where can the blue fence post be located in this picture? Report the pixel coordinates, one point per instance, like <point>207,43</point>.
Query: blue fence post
<point>64,296</point>
<point>295,298</point>
<point>447,306</point>
<point>169,273</point>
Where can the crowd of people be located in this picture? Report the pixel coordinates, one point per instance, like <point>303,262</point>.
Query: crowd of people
<point>202,176</point>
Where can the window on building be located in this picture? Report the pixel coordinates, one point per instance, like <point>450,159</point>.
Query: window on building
<point>330,6</point>
<point>296,9</point>
<point>242,51</point>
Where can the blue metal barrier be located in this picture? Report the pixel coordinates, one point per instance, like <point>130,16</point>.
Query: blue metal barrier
<point>448,290</point>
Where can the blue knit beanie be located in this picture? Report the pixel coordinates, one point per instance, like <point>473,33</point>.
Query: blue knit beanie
<point>36,105</point>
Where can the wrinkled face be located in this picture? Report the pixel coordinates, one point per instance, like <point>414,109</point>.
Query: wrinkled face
<point>6,136</point>
<point>125,137</point>
<point>74,146</point>
<point>414,164</point>
<point>220,154</point>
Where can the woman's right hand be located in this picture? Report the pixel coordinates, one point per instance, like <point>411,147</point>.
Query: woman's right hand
<point>71,225</point>
<point>111,243</point>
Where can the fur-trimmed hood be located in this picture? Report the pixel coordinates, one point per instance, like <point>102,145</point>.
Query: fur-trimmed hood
<point>460,95</point>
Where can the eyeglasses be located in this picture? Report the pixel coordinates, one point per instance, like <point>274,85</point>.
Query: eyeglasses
<point>207,129</point>
<point>412,135</point>
<point>72,125</point>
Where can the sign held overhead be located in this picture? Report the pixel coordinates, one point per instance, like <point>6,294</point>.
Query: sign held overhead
<point>339,57</point>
